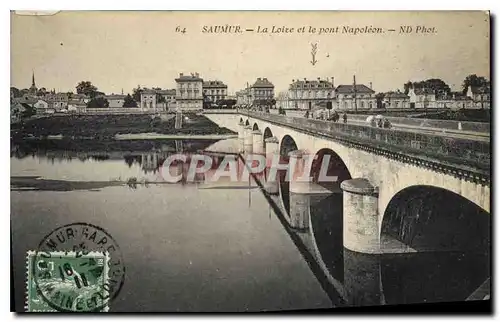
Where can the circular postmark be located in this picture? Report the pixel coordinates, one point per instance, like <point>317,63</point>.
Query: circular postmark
<point>78,267</point>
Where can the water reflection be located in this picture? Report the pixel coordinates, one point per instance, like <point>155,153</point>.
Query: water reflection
<point>366,280</point>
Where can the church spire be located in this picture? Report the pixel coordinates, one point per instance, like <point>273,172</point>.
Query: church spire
<point>33,89</point>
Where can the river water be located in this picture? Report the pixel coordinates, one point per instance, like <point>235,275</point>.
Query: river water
<point>200,247</point>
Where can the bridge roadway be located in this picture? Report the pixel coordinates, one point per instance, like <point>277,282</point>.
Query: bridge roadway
<point>461,150</point>
<point>469,135</point>
<point>400,123</point>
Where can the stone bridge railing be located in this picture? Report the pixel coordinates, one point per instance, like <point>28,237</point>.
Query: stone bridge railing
<point>457,156</point>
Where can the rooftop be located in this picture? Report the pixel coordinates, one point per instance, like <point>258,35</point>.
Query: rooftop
<point>166,91</point>
<point>26,100</point>
<point>397,94</point>
<point>148,91</point>
<point>115,97</point>
<point>319,83</point>
<point>360,88</point>
<point>193,77</point>
<point>214,83</point>
<point>263,82</point>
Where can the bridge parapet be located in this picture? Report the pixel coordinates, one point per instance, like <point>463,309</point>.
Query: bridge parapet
<point>460,157</point>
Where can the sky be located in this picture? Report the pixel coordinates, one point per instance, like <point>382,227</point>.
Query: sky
<point>118,50</point>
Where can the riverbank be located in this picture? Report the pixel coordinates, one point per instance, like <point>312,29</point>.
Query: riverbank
<point>157,136</point>
<point>100,127</point>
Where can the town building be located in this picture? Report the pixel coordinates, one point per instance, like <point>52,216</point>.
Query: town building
<point>115,100</point>
<point>396,99</point>
<point>455,101</point>
<point>43,107</point>
<point>166,99</point>
<point>148,100</point>
<point>58,101</point>
<point>305,94</point>
<point>422,98</point>
<point>481,96</point>
<point>356,96</point>
<point>283,100</point>
<point>214,90</point>
<point>261,91</point>
<point>189,93</point>
<point>77,106</point>
<point>243,97</point>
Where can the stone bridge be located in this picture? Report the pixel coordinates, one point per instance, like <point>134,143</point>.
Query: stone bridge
<point>401,191</point>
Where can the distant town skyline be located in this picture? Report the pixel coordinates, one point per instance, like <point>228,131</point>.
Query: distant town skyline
<point>120,50</point>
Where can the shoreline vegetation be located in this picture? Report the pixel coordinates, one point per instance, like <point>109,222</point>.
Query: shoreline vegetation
<point>37,183</point>
<point>111,127</point>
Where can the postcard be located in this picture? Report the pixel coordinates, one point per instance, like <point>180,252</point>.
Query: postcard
<point>249,161</point>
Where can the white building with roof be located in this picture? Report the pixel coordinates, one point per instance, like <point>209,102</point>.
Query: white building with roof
<point>422,98</point>
<point>148,100</point>
<point>396,99</point>
<point>215,90</point>
<point>115,100</point>
<point>189,92</point>
<point>351,97</point>
<point>306,94</point>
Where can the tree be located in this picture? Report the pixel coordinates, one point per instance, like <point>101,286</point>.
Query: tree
<point>129,101</point>
<point>23,92</point>
<point>86,87</point>
<point>41,91</point>
<point>380,99</point>
<point>407,87</point>
<point>230,103</point>
<point>474,81</point>
<point>98,102</point>
<point>136,94</point>
<point>15,92</point>
<point>438,86</point>
<point>28,111</point>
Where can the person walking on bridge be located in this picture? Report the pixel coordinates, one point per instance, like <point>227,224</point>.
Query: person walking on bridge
<point>345,117</point>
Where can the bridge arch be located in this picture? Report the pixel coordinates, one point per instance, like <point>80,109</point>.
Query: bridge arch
<point>333,166</point>
<point>287,145</point>
<point>266,135</point>
<point>449,240</point>
<point>426,217</point>
<point>255,126</point>
<point>247,122</point>
<point>241,120</point>
<point>326,209</point>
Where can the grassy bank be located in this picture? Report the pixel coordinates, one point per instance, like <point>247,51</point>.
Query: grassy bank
<point>461,115</point>
<point>72,148</point>
<point>107,126</point>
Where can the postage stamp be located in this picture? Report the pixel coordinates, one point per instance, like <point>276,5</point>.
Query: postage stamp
<point>69,281</point>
